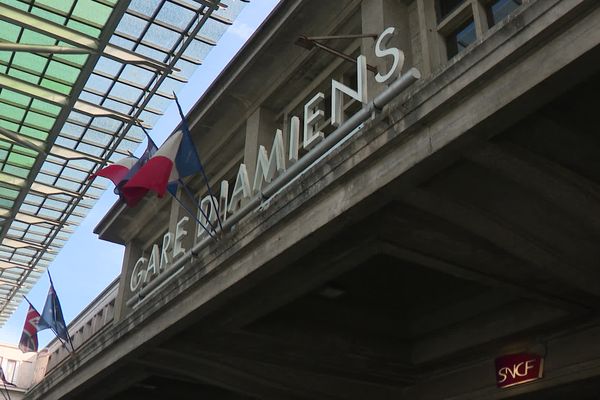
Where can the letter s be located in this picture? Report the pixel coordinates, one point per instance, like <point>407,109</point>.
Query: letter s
<point>502,373</point>
<point>397,54</point>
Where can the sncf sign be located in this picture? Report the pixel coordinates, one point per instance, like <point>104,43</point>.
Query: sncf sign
<point>515,369</point>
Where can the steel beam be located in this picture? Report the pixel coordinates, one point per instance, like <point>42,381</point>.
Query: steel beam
<point>59,99</point>
<point>21,244</point>
<point>39,146</point>
<point>10,264</point>
<point>35,48</point>
<point>14,137</point>
<point>41,25</point>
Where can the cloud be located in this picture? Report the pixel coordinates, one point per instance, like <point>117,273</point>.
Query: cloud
<point>242,30</point>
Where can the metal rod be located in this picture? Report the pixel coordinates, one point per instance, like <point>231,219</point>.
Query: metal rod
<point>23,142</point>
<point>338,53</point>
<point>37,48</point>
<point>186,128</point>
<point>357,36</point>
<point>5,388</point>
<point>55,313</point>
<point>192,215</point>
<point>193,198</point>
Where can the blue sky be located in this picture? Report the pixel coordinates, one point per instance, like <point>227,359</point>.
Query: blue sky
<point>86,264</point>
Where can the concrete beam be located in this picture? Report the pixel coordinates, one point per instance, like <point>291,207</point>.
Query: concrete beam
<point>573,193</point>
<point>353,361</point>
<point>503,236</point>
<point>265,380</point>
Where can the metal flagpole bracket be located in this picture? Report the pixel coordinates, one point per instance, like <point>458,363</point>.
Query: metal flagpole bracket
<point>310,42</point>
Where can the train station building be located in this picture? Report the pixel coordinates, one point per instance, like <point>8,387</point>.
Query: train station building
<point>406,203</point>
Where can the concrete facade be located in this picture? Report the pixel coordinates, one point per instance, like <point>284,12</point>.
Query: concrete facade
<point>459,224</point>
<point>21,370</point>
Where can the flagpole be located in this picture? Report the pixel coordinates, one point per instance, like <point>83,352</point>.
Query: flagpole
<point>6,389</point>
<point>63,342</point>
<point>186,188</point>
<point>210,193</point>
<point>191,196</point>
<point>54,311</point>
<point>192,215</point>
<point>147,134</point>
<point>51,328</point>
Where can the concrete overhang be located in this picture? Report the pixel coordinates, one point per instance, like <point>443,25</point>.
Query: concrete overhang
<point>121,224</point>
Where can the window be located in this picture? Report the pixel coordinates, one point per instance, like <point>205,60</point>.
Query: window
<point>461,38</point>
<point>461,22</point>
<point>445,7</point>
<point>497,10</point>
<point>9,372</point>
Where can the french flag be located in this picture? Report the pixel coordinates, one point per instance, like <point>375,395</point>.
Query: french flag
<point>175,159</point>
<point>123,170</point>
<point>118,171</point>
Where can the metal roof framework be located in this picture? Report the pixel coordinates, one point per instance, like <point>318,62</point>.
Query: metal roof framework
<point>77,78</point>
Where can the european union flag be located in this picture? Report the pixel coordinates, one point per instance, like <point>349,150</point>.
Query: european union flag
<point>52,316</point>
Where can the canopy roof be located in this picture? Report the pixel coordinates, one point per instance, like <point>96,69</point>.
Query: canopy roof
<point>77,77</point>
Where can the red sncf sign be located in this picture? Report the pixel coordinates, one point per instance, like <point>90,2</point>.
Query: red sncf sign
<point>514,369</point>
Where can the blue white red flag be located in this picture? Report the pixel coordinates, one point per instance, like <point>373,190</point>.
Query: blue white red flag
<point>123,170</point>
<point>118,171</point>
<point>29,340</point>
<point>175,159</point>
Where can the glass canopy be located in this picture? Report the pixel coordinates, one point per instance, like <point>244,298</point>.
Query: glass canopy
<point>77,78</point>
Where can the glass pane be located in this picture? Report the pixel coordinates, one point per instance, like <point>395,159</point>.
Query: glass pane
<point>47,15</point>
<point>55,86</point>
<point>78,59</point>
<point>175,15</point>
<point>63,5</point>
<point>500,9</point>
<point>20,160</point>
<point>31,37</point>
<point>83,28</point>
<point>24,76</point>
<point>8,193</point>
<point>92,11</point>
<point>146,7</point>
<point>15,97</point>
<point>5,204</point>
<point>161,36</point>
<point>64,72</point>
<point>39,120</point>
<point>31,61</point>
<point>460,39</point>
<point>132,25</point>
<point>11,366</point>
<point>46,107</point>
<point>9,32</point>
<point>17,171</point>
<point>14,112</point>
<point>445,7</point>
<point>34,133</point>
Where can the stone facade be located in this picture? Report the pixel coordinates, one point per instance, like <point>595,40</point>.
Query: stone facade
<point>21,370</point>
<point>455,225</point>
